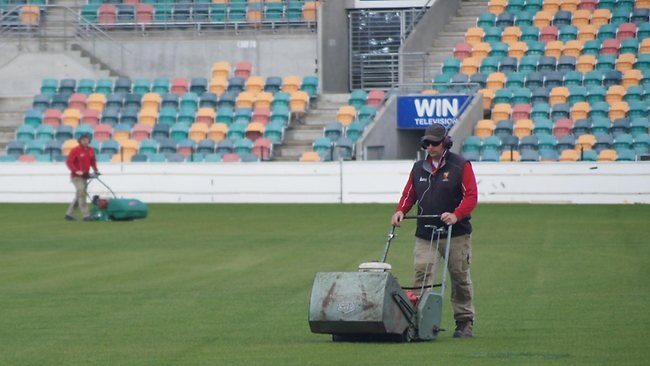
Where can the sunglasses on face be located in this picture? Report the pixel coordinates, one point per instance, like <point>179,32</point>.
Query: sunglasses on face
<point>426,143</point>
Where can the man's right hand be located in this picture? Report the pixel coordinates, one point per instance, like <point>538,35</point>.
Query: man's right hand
<point>79,173</point>
<point>397,218</point>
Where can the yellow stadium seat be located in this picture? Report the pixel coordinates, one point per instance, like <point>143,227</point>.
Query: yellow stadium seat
<point>569,155</point>
<point>484,128</point>
<point>291,83</point>
<point>572,48</point>
<point>496,81</point>
<point>198,131</point>
<point>625,62</point>
<point>151,101</point>
<point>205,115</point>
<point>569,5</point>
<point>615,94</point>
<point>221,70</point>
<point>508,155</point>
<point>346,115</point>
<point>245,100</point>
<point>71,117</point>
<point>310,11</point>
<point>488,96</point>
<point>480,50</point>
<point>263,100</point>
<point>218,131</point>
<point>600,17</point>
<point>96,101</point>
<point>632,77</point>
<point>607,155</point>
<point>559,94</point>
<point>510,34</point>
<point>254,84</point>
<point>469,65</point>
<point>121,135</point>
<point>148,116</point>
<point>517,49</point>
<point>30,15</point>
<point>618,110</point>
<point>644,4</point>
<point>218,85</point>
<point>585,63</point>
<point>501,111</point>
<point>554,49</point>
<point>310,156</point>
<point>586,32</point>
<point>429,92</point>
<point>585,142</point>
<point>543,18</point>
<point>523,128</point>
<point>644,47</point>
<point>474,35</point>
<point>497,7</point>
<point>299,102</point>
<point>255,130</point>
<point>551,6</point>
<point>68,145</point>
<point>129,147</point>
<point>580,110</point>
<point>581,17</point>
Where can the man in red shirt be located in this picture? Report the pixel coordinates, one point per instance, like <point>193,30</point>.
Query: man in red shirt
<point>79,161</point>
<point>443,184</point>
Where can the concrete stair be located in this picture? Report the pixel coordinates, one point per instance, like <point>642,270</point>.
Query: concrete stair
<point>443,45</point>
<point>300,135</point>
<point>12,110</point>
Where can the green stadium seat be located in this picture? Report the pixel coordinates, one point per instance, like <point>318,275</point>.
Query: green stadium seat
<point>104,86</point>
<point>486,20</point>
<point>237,131</point>
<point>601,124</point>
<point>274,132</point>
<point>540,110</point>
<point>639,126</point>
<point>577,94</point>
<point>607,31</point>
<point>543,126</point>
<point>634,93</point>
<point>179,132</point>
<point>354,130</point>
<point>641,143</point>
<point>491,143</point>
<point>471,143</point>
<point>637,109</point>
<point>592,47</point>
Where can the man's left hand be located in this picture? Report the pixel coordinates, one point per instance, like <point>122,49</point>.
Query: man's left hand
<point>449,218</point>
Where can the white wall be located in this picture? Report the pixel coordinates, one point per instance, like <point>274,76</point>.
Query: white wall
<point>349,182</point>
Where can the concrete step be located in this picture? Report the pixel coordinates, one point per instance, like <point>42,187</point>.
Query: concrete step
<point>305,135</point>
<point>15,104</point>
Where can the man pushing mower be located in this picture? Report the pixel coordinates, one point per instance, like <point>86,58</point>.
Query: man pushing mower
<point>79,161</point>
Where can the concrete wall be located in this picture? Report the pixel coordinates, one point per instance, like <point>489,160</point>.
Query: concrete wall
<point>281,55</point>
<point>335,46</point>
<point>287,54</point>
<point>347,182</point>
<point>433,22</point>
<point>22,74</point>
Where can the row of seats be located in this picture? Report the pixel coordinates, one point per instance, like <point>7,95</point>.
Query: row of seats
<point>220,83</point>
<point>568,155</point>
<point>126,149</point>
<point>166,12</point>
<point>152,158</point>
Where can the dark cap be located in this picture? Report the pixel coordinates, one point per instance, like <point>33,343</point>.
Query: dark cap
<point>84,136</point>
<point>435,133</point>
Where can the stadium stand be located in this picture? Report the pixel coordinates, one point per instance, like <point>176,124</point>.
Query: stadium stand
<point>582,65</point>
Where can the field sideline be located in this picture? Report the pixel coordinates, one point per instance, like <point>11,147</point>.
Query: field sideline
<point>230,284</point>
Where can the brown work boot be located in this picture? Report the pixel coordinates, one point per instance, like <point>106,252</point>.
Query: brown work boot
<point>463,328</point>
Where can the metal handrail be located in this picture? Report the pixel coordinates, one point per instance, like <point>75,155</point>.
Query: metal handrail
<point>416,19</point>
<point>391,67</point>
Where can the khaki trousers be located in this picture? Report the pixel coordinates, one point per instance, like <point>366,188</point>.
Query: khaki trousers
<point>460,256</point>
<point>79,200</point>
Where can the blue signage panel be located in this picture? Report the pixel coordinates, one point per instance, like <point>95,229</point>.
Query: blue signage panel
<point>418,112</point>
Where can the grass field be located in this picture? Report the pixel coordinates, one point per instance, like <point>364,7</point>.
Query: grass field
<point>230,285</point>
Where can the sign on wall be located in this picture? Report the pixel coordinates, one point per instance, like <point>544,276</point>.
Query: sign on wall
<point>418,112</point>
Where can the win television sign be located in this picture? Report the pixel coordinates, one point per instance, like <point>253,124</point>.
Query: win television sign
<point>418,112</point>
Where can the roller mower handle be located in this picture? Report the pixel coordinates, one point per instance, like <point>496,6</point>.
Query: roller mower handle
<point>422,217</point>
